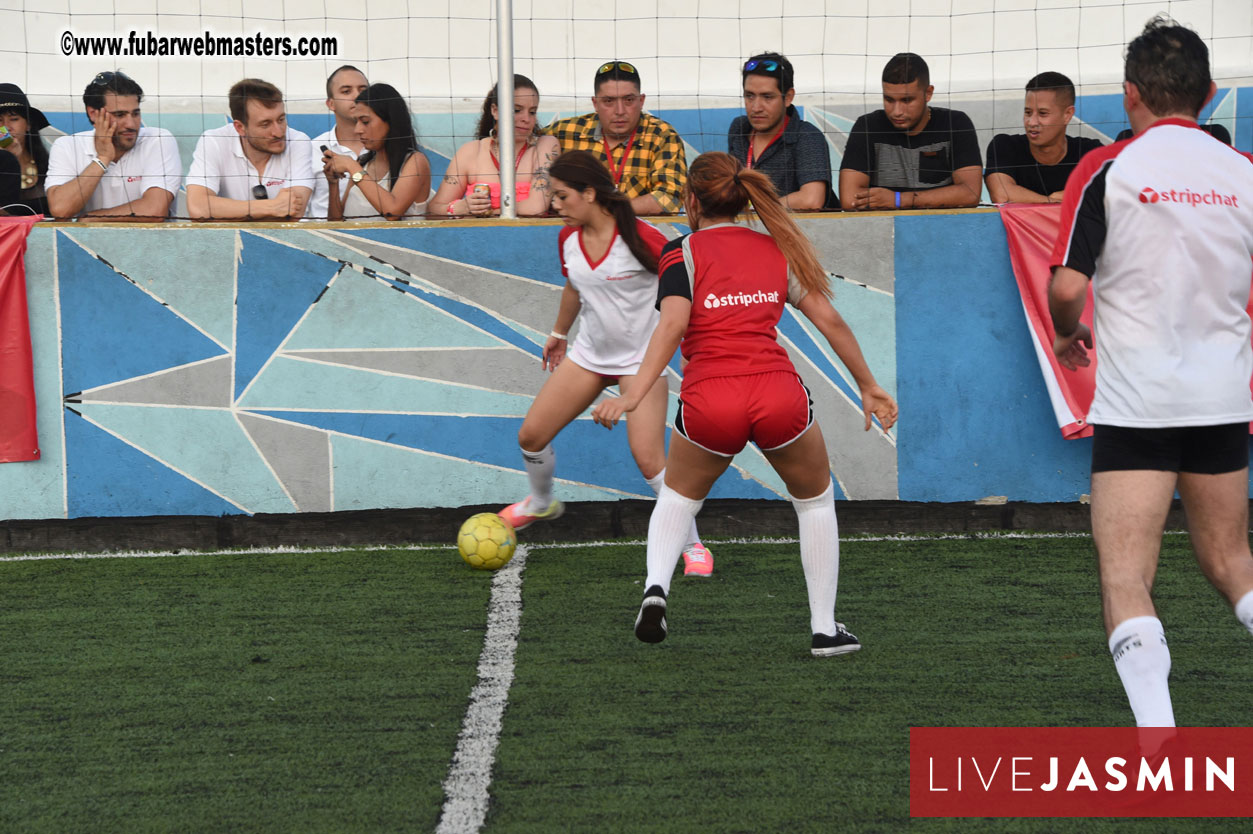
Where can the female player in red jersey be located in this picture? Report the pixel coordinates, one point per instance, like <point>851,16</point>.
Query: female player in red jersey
<point>609,259</point>
<point>721,294</point>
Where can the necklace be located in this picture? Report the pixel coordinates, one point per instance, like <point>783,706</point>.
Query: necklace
<point>30,175</point>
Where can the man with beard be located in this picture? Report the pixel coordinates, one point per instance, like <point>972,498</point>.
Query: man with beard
<point>120,169</point>
<point>256,168</point>
<point>909,154</point>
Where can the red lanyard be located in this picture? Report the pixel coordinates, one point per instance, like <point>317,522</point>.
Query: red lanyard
<point>773,139</point>
<point>617,175</point>
<point>516,163</point>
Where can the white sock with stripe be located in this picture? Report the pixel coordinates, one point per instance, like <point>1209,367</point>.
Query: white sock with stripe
<point>820,556</point>
<point>667,529</point>
<point>540,467</point>
<point>1143,663</point>
<point>656,483</point>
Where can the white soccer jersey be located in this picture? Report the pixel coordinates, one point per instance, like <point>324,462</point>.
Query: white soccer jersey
<point>152,163</point>
<point>1163,225</point>
<point>619,296</point>
<point>219,165</point>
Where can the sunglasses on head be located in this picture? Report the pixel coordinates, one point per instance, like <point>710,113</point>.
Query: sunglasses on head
<point>108,78</point>
<point>768,66</point>
<point>259,192</point>
<point>612,65</point>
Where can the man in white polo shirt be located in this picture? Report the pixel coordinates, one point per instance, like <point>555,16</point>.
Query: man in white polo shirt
<point>1162,226</point>
<point>342,88</point>
<point>118,170</point>
<point>256,168</point>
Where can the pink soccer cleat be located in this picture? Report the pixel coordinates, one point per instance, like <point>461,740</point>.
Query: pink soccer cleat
<point>697,560</point>
<point>520,517</point>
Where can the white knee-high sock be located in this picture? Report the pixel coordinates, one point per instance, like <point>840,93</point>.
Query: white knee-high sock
<point>1244,611</point>
<point>1143,662</point>
<point>656,482</point>
<point>820,556</point>
<point>539,472</point>
<point>667,529</point>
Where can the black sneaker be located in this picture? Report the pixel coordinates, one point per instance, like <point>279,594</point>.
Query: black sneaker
<point>650,625</point>
<point>828,645</point>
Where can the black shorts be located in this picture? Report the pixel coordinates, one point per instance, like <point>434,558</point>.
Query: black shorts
<point>1203,450</point>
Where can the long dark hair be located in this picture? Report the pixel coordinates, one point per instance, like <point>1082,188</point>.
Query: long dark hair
<point>487,122</point>
<point>580,170</point>
<point>34,142</point>
<point>724,188</point>
<point>402,138</point>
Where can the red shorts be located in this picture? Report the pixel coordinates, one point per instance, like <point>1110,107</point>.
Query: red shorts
<point>723,413</point>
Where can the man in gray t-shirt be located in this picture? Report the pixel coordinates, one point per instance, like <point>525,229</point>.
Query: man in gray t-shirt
<point>773,138</point>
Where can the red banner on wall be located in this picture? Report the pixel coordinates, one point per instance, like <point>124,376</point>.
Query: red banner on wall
<point>18,439</point>
<point>1032,231</point>
<point>1080,772</point>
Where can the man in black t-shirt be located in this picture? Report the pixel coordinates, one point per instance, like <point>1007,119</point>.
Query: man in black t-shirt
<point>909,154</point>
<point>1032,167</point>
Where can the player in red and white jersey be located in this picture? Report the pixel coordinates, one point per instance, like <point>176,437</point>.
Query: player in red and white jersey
<point>722,293</point>
<point>1162,226</point>
<point>609,260</point>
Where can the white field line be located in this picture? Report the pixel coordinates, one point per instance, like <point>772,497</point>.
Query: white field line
<point>470,773</point>
<point>263,551</point>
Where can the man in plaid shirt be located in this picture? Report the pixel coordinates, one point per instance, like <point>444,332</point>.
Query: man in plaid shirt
<point>643,153</point>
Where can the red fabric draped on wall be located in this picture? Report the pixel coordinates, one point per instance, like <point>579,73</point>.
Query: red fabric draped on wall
<point>1032,231</point>
<point>18,439</point>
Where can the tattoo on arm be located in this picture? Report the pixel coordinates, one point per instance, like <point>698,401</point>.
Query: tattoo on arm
<point>451,179</point>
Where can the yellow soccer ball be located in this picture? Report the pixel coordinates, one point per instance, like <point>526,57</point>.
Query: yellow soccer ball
<point>486,541</point>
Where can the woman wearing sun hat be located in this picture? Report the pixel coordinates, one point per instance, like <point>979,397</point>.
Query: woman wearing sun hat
<point>21,139</point>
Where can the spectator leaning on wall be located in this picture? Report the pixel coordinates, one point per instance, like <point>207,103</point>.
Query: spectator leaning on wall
<point>909,154</point>
<point>773,138</point>
<point>342,88</point>
<point>121,169</point>
<point>256,168</point>
<point>643,153</point>
<point>1032,167</point>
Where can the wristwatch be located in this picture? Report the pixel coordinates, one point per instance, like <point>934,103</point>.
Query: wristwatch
<point>358,176</point>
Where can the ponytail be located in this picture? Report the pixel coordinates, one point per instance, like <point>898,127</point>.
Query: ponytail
<point>724,188</point>
<point>580,170</point>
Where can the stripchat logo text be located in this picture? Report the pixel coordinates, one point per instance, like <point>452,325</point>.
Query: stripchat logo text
<point>740,298</point>
<point>1189,197</point>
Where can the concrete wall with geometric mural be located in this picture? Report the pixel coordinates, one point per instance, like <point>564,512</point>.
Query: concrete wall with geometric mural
<point>206,371</point>
<point>201,370</point>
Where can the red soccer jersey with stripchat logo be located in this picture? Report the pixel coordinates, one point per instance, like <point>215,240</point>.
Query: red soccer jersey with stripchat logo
<point>737,281</point>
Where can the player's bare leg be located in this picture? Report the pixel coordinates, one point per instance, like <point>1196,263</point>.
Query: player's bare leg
<point>690,473</point>
<point>646,434</point>
<point>1218,520</point>
<point>802,465</point>
<point>1129,510</point>
<point>565,395</point>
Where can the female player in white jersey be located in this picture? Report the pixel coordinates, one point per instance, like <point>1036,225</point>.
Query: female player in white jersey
<point>609,259</point>
<point>739,384</point>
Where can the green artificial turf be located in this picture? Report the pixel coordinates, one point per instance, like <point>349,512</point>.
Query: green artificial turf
<point>324,692</point>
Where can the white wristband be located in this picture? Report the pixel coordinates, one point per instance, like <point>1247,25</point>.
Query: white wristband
<point>555,335</point>
<point>100,162</point>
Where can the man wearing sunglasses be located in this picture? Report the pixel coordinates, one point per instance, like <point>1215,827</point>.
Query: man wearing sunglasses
<point>773,138</point>
<point>120,169</point>
<point>909,154</point>
<point>643,153</point>
<point>256,168</point>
